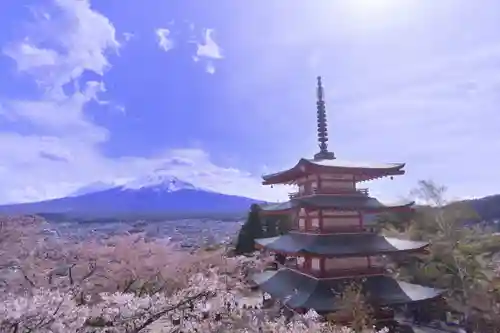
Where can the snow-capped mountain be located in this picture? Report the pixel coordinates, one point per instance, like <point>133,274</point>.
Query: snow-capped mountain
<point>93,187</point>
<point>159,182</point>
<point>156,193</point>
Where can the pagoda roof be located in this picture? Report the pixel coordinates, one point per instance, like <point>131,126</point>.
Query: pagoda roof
<point>298,290</point>
<point>277,207</point>
<point>338,245</point>
<point>365,171</point>
<point>348,202</point>
<point>335,201</point>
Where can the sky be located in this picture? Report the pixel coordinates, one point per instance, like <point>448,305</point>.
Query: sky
<point>220,92</point>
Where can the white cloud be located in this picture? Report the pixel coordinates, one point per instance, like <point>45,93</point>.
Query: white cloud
<point>62,153</point>
<point>209,48</point>
<point>210,68</point>
<point>164,40</point>
<point>208,51</point>
<point>128,36</point>
<point>32,57</point>
<point>84,46</point>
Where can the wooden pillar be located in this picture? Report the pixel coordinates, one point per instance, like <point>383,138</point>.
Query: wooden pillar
<point>308,220</point>
<point>320,217</point>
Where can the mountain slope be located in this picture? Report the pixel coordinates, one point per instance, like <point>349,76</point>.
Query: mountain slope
<point>92,187</point>
<point>155,194</point>
<point>488,208</point>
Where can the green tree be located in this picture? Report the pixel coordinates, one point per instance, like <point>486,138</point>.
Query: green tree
<point>275,225</point>
<point>284,224</point>
<point>269,226</point>
<point>251,230</point>
<point>398,221</point>
<point>353,308</point>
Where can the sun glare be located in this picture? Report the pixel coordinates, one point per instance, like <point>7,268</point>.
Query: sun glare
<point>372,7</point>
<point>376,14</point>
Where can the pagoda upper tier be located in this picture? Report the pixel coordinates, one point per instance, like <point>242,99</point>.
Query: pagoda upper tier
<point>334,169</point>
<point>355,202</point>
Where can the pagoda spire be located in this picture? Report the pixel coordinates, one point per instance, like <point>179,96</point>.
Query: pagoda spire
<point>323,153</point>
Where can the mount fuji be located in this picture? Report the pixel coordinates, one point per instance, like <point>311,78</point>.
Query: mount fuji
<point>155,194</point>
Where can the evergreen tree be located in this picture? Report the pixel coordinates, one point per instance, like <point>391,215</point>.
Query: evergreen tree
<point>270,224</point>
<point>251,230</point>
<point>284,225</point>
<point>276,225</point>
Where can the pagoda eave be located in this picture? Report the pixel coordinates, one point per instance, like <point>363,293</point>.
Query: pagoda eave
<point>284,176</point>
<point>315,255</point>
<point>363,204</point>
<point>368,177</point>
<point>334,274</point>
<point>276,209</point>
<point>298,290</point>
<point>360,172</point>
<point>275,212</point>
<point>354,202</point>
<point>266,212</point>
<point>338,245</point>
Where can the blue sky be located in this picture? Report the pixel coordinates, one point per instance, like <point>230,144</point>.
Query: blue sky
<point>220,92</point>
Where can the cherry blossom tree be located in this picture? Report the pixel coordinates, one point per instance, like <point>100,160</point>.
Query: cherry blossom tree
<point>127,284</point>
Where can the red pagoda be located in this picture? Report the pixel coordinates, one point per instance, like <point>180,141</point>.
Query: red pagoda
<point>333,241</point>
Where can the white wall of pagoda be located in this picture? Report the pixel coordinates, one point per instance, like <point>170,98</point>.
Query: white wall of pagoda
<point>302,220</point>
<point>332,265</point>
<point>326,220</point>
<point>336,185</point>
<point>326,183</point>
<point>344,177</point>
<point>333,182</point>
<point>332,219</point>
<point>316,264</point>
<point>346,263</point>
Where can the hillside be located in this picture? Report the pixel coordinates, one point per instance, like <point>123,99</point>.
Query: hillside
<point>488,208</point>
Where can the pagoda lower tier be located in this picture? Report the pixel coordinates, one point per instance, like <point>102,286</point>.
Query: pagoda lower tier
<point>327,263</point>
<point>300,291</point>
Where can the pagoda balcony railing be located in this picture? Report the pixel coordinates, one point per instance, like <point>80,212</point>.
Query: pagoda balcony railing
<point>375,269</point>
<point>359,191</point>
<point>340,229</point>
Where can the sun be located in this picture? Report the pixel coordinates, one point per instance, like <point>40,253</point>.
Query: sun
<point>377,13</point>
<point>373,4</point>
<point>373,7</point>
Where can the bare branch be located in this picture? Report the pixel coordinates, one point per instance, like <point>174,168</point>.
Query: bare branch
<point>160,314</point>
